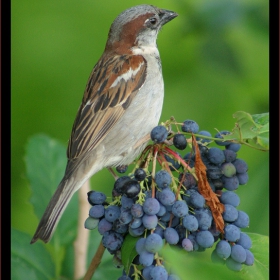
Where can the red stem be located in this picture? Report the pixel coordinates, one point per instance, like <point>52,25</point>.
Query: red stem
<point>176,156</point>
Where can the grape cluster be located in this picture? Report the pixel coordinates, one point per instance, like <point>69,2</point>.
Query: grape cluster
<point>166,205</point>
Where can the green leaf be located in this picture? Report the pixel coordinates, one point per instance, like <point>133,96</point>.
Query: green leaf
<point>45,163</point>
<point>196,265</point>
<point>128,251</point>
<point>29,261</point>
<point>260,268</point>
<point>252,130</point>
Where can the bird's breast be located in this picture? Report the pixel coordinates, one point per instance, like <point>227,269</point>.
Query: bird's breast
<point>138,120</point>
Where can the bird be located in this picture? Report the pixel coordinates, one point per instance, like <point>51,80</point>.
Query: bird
<point>122,102</point>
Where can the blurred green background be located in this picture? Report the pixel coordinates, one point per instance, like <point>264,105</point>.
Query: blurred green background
<point>214,58</point>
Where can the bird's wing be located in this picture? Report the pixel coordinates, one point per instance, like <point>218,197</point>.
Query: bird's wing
<point>111,87</point>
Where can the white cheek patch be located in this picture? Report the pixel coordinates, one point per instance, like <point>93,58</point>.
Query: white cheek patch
<point>126,76</point>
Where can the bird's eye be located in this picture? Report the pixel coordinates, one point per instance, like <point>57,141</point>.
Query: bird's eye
<point>153,20</point>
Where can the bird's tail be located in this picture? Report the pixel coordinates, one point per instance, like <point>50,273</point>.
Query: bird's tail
<point>54,210</point>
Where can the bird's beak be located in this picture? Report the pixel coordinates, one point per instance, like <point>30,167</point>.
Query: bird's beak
<point>166,16</point>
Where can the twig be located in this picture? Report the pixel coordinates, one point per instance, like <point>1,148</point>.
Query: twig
<point>81,242</point>
<point>153,172</point>
<point>96,260</point>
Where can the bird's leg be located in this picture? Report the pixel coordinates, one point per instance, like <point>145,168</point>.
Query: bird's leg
<point>168,142</point>
<point>113,173</point>
<point>141,141</point>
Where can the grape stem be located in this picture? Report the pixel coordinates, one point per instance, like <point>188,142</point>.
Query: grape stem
<point>154,171</point>
<point>178,158</point>
<point>96,260</point>
<point>163,162</point>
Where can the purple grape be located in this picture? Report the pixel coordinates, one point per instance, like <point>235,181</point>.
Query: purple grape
<point>96,197</point>
<point>214,171</point>
<point>140,245</point>
<point>112,213</point>
<point>158,273</point>
<point>182,232</point>
<point>240,165</point>
<point>153,243</point>
<point>163,179</point>
<point>150,221</point>
<point>175,221</point>
<point>244,240</point>
<point>238,253</point>
<point>230,214</point>
<point>188,181</point>
<point>204,218</point>
<point>97,211</point>
<point>112,240</point>
<point>220,135</point>
<point>191,237</point>
<point>121,168</point>
<point>230,183</point>
<point>242,178</point>
<point>104,226</point>
<point>195,199</point>
<point>137,211</point>
<point>204,133</point>
<point>234,147</point>
<point>159,134</point>
<point>131,188</point>
<point>146,272</point>
<point>223,249</point>
<point>242,220</point>
<point>249,257</point>
<point>204,238</point>
<point>180,141</point>
<point>166,217</point>
<point>190,126</point>
<point>232,233</point>
<point>125,216</point>
<point>119,184</point>
<point>180,208</point>
<point>230,197</point>
<point>135,223</point>
<point>135,232</point>
<point>166,197</point>
<point>140,174</point>
<point>126,202</point>
<point>229,155</point>
<point>159,230</point>
<point>119,227</point>
<point>151,206</point>
<point>190,223</point>
<point>171,236</point>
<point>187,245</point>
<point>162,210</point>
<point>215,155</point>
<point>146,258</point>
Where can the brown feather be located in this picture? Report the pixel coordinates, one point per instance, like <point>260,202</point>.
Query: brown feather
<point>104,104</point>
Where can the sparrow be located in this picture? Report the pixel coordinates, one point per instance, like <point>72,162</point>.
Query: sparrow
<point>122,103</point>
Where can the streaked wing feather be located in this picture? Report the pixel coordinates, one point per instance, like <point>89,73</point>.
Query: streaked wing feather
<point>105,101</point>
